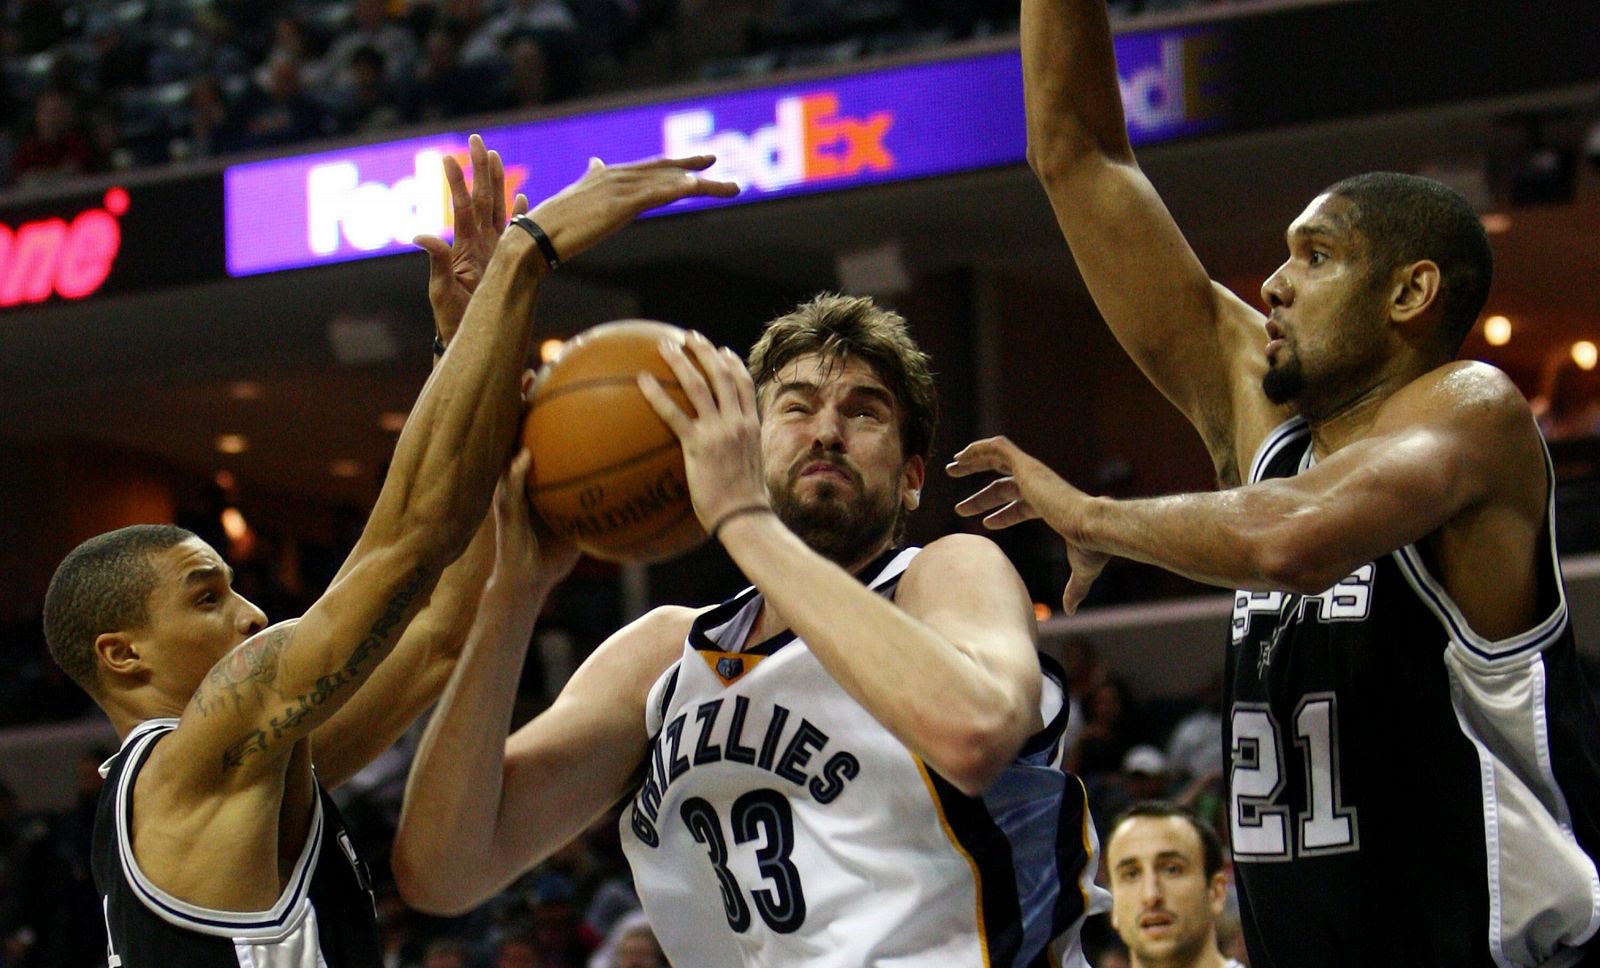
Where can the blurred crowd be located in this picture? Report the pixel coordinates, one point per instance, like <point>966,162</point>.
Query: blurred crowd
<point>111,85</point>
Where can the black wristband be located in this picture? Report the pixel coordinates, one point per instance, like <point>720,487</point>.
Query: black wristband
<point>438,345</point>
<point>546,247</point>
<point>738,512</point>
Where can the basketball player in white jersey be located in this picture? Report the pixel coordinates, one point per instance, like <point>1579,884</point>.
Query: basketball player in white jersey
<point>853,762</point>
<point>215,841</point>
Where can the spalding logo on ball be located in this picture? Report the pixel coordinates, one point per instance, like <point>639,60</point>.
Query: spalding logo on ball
<point>607,472</point>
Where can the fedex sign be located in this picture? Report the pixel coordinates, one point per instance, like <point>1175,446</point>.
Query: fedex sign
<point>57,256</point>
<point>808,141</point>
<point>889,124</point>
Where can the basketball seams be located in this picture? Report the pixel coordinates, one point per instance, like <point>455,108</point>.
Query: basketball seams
<point>597,382</point>
<point>587,476</point>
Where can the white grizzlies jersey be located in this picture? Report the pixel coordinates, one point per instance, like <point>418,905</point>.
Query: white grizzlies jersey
<point>779,824</point>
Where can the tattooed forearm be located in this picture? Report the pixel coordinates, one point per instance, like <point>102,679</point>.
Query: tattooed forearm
<point>355,669</point>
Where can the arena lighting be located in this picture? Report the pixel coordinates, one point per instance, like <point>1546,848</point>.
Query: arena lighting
<point>1496,223</point>
<point>1497,330</point>
<point>1585,354</point>
<point>392,420</point>
<point>234,524</point>
<point>345,468</point>
<point>244,390</point>
<point>550,349</point>
<point>870,128</point>
<point>232,443</point>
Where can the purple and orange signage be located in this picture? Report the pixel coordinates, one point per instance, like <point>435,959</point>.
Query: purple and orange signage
<point>888,125</point>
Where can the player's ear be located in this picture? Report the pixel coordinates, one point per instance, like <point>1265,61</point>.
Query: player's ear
<point>912,476</point>
<point>1413,288</point>
<point>1217,893</point>
<point>118,653</point>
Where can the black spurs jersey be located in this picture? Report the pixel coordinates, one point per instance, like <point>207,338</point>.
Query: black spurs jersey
<point>324,918</point>
<point>1404,792</point>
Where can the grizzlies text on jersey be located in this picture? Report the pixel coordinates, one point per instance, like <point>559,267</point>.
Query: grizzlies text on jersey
<point>779,824</point>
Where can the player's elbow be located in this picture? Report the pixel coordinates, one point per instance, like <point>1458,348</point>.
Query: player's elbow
<point>975,755</point>
<point>1292,561</point>
<point>425,883</point>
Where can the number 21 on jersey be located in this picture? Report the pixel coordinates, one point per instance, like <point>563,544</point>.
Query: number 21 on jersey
<point>1260,826</point>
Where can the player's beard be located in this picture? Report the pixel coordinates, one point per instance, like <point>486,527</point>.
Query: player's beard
<point>1286,381</point>
<point>840,527</point>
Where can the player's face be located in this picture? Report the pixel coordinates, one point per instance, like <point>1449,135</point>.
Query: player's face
<point>1325,313</point>
<point>195,616</point>
<point>1162,904</point>
<point>830,440</point>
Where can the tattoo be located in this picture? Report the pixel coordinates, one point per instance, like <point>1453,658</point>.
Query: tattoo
<point>354,670</point>
<point>254,662</point>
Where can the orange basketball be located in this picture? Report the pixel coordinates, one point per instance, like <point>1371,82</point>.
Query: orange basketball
<point>607,472</point>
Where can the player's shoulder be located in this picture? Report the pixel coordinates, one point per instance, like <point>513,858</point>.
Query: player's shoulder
<point>656,636</point>
<point>1468,394</point>
<point>957,562</point>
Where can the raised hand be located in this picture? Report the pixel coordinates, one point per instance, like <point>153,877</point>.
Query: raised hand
<point>1026,489</point>
<point>608,197</point>
<point>527,552</point>
<point>455,267</point>
<point>722,438</point>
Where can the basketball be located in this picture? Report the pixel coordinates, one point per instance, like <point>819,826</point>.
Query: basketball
<point>607,471</point>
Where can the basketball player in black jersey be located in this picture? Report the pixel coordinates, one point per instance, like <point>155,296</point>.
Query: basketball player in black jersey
<point>1414,778</point>
<point>215,843</point>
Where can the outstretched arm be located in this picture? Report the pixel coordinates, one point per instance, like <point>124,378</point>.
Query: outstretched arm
<point>1456,449</point>
<point>282,684</point>
<point>1196,341</point>
<point>479,809</point>
<point>411,678</point>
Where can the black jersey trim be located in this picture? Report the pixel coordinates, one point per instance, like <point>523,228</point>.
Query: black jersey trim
<point>987,848</point>
<point>886,570</point>
<point>1449,614</point>
<point>1276,440</point>
<point>1051,733</point>
<point>275,922</point>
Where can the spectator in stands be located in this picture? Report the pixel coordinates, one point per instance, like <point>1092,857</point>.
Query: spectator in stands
<point>371,103</point>
<point>291,42</point>
<point>1144,775</point>
<point>631,944</point>
<point>212,128</point>
<point>58,146</point>
<point>1195,748</point>
<point>446,88</point>
<point>120,62</point>
<point>518,950</point>
<point>60,907</point>
<point>1109,732</point>
<point>282,114</point>
<point>1168,887</point>
<point>13,858</point>
<point>34,26</point>
<point>372,28</point>
<point>491,39</point>
<point>446,953</point>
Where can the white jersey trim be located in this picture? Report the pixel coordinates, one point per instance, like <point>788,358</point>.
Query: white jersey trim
<point>275,923</point>
<point>1455,624</point>
<point>1276,440</point>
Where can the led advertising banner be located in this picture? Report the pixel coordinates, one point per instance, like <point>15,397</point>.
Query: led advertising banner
<point>889,125</point>
<point>110,241</point>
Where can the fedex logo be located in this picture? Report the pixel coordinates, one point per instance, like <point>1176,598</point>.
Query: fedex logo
<point>55,256</point>
<point>1172,89</point>
<point>808,141</point>
<point>341,209</point>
